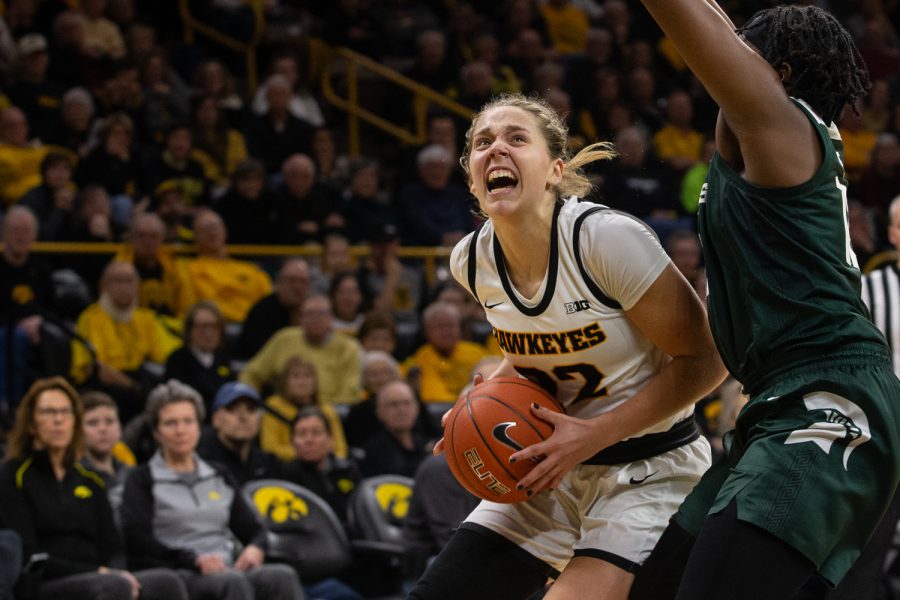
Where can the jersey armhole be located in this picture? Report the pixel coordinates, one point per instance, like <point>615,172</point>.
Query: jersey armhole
<point>588,280</point>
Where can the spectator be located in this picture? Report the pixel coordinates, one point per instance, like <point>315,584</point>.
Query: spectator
<point>335,259</point>
<point>435,210</point>
<point>678,143</point>
<point>32,91</point>
<point>880,182</point>
<point>102,38</point>
<point>212,78</point>
<point>165,287</point>
<point>183,512</point>
<point>390,284</point>
<point>53,201</point>
<point>168,203</point>
<point>123,337</point>
<point>476,80</point>
<point>567,25</point>
<point>278,310</point>
<point>91,222</point>
<point>331,166</point>
<point>60,508</point>
<point>378,332</point>
<point>297,387</point>
<point>20,160</point>
<point>202,362</point>
<point>217,146</point>
<point>641,90</point>
<point>398,449</point>
<point>234,285</point>
<point>348,302</point>
<point>437,506</point>
<point>70,64</point>
<point>26,292</point>
<point>175,162</point>
<point>112,162</point>
<point>305,207</point>
<point>335,356</point>
<point>247,206</point>
<point>122,92</point>
<point>166,96</point>
<point>102,432</point>
<point>315,465</point>
<point>366,210</point>
<point>277,134</point>
<point>302,103</point>
<point>75,126</point>
<point>444,362</point>
<point>231,443</point>
<point>683,247</point>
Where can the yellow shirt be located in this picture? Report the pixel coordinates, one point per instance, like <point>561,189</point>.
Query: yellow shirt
<point>336,361</point>
<point>172,293</point>
<point>857,148</point>
<point>275,435</point>
<point>124,346</point>
<point>444,377</point>
<point>20,170</point>
<point>670,142</point>
<point>234,285</point>
<point>568,28</point>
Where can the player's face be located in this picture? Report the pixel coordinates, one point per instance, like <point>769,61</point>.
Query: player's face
<point>509,164</point>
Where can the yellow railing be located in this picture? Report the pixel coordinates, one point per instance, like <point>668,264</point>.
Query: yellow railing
<point>428,255</point>
<point>248,49</point>
<point>328,58</point>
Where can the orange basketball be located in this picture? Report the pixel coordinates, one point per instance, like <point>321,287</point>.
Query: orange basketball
<point>487,425</point>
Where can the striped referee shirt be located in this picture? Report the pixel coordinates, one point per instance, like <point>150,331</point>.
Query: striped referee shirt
<point>881,293</point>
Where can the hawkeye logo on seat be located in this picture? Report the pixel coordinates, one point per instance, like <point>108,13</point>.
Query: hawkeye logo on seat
<point>841,421</point>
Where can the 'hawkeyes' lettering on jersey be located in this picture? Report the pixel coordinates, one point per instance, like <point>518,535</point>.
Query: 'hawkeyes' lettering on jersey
<point>539,343</point>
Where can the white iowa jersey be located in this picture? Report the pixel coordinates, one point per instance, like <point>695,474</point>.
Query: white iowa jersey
<point>573,337</point>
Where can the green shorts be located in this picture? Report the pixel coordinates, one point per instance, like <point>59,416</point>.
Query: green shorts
<point>814,459</point>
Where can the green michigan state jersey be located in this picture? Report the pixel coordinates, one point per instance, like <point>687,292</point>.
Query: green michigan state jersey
<point>784,286</point>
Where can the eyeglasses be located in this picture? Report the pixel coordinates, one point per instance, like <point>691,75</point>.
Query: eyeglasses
<point>51,413</point>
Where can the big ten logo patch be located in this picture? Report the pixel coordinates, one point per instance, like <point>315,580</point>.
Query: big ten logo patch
<point>576,306</point>
<point>393,499</point>
<point>279,505</point>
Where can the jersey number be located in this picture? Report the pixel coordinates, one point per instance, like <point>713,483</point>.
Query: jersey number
<point>593,379</point>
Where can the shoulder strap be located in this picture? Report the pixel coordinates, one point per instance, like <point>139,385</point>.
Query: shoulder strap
<point>473,247</point>
<point>576,243</point>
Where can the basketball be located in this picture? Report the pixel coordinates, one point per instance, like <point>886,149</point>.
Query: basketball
<point>488,424</point>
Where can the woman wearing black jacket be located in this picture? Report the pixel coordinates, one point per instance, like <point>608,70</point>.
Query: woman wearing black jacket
<point>61,511</point>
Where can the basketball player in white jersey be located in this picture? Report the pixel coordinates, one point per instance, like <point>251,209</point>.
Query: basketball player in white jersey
<point>585,302</point>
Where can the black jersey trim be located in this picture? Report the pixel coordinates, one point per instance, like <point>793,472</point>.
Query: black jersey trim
<point>470,267</point>
<point>551,276</point>
<point>647,446</point>
<point>576,243</point>
<point>613,559</point>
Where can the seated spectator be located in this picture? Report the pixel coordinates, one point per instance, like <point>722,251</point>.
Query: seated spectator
<point>336,356</point>
<point>315,465</point>
<point>168,203</point>
<point>76,123</point>
<point>390,284</point>
<point>26,294</point>
<point>123,336</point>
<point>60,508</point>
<point>166,96</point>
<point>275,135</point>
<point>683,247</point>
<point>302,103</point>
<point>174,162</point>
<point>297,387</point>
<point>185,513</point>
<point>435,211</point>
<point>212,78</point>
<point>217,146</point>
<point>378,332</point>
<point>112,163</point>
<point>165,286</point>
<point>102,38</point>
<point>442,365</point>
<point>335,259</point>
<point>234,285</point>
<point>436,508</point>
<point>103,447</point>
<point>20,159</point>
<point>32,90</point>
<point>278,310</point>
<point>306,208</point>
<point>398,448</point>
<point>91,222</point>
<point>231,442</point>
<point>202,362</point>
<point>53,201</point>
<point>330,165</point>
<point>348,302</point>
<point>678,143</point>
<point>367,211</point>
<point>247,206</point>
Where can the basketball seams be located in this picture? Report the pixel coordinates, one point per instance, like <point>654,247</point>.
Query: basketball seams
<point>487,445</point>
<point>465,472</point>
<point>527,383</point>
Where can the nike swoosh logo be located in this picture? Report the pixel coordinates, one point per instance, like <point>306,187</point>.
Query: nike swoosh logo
<point>634,481</point>
<point>501,435</point>
<point>490,306</point>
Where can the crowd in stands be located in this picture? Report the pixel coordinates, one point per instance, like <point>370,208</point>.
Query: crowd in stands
<point>177,373</point>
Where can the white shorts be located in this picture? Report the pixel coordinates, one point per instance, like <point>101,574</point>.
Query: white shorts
<point>615,513</point>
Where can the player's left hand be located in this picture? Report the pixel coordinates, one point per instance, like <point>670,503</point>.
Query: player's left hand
<point>573,441</point>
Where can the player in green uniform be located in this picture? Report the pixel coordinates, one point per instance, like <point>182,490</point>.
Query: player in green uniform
<point>813,460</point>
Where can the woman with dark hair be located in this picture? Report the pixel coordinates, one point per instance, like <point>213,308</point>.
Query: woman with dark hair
<point>348,302</point>
<point>61,510</point>
<point>219,147</point>
<point>813,460</point>
<point>113,162</point>
<point>202,361</point>
<point>297,388</point>
<point>182,512</point>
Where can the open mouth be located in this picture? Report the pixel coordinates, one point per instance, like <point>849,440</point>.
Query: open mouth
<point>500,180</point>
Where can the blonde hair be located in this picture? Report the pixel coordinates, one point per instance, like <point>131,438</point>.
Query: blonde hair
<point>555,132</point>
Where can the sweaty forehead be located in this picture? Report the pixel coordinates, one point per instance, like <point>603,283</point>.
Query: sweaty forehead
<point>506,118</point>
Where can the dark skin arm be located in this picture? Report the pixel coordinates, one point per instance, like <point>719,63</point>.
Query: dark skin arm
<point>760,131</point>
